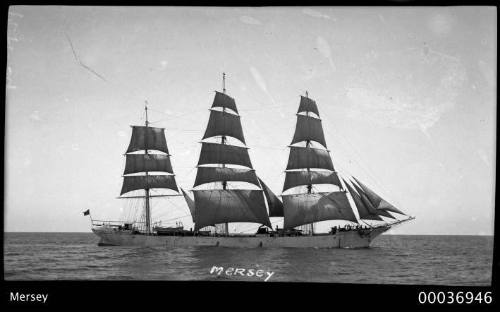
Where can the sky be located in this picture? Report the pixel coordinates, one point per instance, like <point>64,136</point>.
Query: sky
<point>407,97</point>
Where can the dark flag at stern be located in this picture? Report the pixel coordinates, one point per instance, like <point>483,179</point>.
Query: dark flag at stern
<point>86,212</point>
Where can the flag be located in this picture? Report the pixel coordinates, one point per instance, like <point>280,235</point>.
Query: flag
<point>86,212</point>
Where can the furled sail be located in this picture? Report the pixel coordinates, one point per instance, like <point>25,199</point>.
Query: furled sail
<point>224,124</point>
<point>273,202</point>
<point>214,174</point>
<point>309,129</point>
<point>298,178</point>
<point>377,201</point>
<point>150,138</point>
<point>307,105</point>
<point>132,183</point>
<point>364,212</point>
<point>215,153</point>
<point>147,162</point>
<point>220,206</point>
<point>190,203</point>
<point>225,101</point>
<point>307,157</point>
<point>308,208</point>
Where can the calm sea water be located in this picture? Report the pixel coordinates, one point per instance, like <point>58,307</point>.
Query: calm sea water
<point>395,259</point>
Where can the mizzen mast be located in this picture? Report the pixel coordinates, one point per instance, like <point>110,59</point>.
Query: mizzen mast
<point>146,153</point>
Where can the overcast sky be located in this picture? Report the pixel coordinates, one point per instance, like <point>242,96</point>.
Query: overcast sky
<point>407,98</point>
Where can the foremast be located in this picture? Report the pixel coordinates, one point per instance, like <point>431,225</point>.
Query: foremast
<point>309,165</point>
<point>147,152</point>
<point>309,186</point>
<point>147,208</point>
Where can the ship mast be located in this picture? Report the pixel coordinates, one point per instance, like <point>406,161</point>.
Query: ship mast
<point>304,209</point>
<point>146,206</point>
<point>309,186</point>
<point>223,141</point>
<point>220,206</point>
<point>153,158</point>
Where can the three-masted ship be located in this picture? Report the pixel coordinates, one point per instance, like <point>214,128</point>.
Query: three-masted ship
<point>227,190</point>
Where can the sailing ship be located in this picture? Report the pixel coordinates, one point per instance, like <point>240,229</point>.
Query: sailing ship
<point>228,190</point>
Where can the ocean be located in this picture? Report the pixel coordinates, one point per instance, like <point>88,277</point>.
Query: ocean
<point>393,259</point>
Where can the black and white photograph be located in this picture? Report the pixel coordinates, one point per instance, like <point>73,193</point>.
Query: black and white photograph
<point>321,144</point>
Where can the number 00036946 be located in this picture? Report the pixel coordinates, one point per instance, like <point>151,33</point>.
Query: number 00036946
<point>454,297</point>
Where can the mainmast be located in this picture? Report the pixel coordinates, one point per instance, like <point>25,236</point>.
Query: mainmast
<point>223,141</point>
<point>214,207</point>
<point>224,83</point>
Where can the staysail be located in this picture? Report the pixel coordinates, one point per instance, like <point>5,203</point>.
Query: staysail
<point>190,203</point>
<point>377,201</point>
<point>273,202</point>
<point>222,205</point>
<point>369,205</point>
<point>363,211</point>
<point>308,166</point>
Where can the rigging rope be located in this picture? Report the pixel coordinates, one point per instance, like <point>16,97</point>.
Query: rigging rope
<point>358,161</point>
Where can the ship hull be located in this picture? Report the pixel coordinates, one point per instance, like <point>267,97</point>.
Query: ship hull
<point>344,239</point>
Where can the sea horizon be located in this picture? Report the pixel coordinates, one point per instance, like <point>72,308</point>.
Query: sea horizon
<point>385,234</point>
<point>391,259</point>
